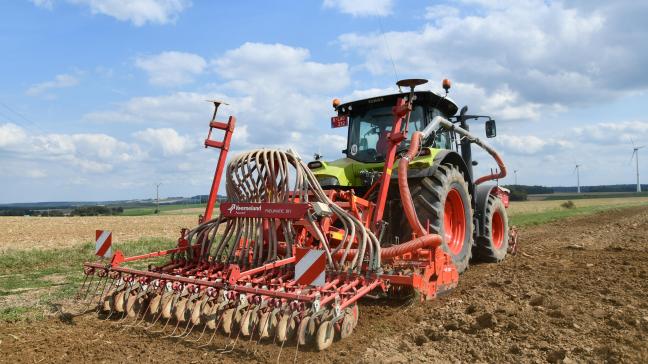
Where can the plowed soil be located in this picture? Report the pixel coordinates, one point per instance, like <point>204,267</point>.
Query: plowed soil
<point>577,291</point>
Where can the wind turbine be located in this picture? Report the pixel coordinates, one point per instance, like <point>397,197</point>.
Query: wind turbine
<point>635,155</point>
<point>577,170</point>
<point>515,171</point>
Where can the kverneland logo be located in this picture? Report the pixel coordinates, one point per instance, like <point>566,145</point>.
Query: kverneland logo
<point>236,208</point>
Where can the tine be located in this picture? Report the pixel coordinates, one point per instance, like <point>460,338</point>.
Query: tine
<point>88,290</point>
<point>90,300</point>
<point>256,345</point>
<point>201,334</point>
<point>155,321</point>
<point>174,330</point>
<point>167,321</point>
<point>185,329</point>
<point>103,295</point>
<point>77,295</point>
<point>142,310</point>
<point>213,334</point>
<point>109,315</point>
<point>163,327</point>
<point>225,350</point>
<point>296,352</point>
<point>252,334</point>
<point>281,348</point>
<point>139,312</point>
<point>186,333</point>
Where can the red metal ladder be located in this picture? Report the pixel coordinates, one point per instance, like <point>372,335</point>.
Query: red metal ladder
<point>224,145</point>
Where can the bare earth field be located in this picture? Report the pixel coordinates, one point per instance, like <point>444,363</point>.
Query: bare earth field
<point>59,232</point>
<point>577,292</point>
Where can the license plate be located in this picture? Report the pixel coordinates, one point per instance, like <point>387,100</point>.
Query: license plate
<point>339,121</point>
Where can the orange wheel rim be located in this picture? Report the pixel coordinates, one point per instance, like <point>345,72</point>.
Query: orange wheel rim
<point>454,222</point>
<point>497,230</point>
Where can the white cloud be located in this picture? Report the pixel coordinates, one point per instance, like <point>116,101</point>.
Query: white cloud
<point>95,153</point>
<point>138,12</point>
<point>255,66</point>
<point>548,54</point>
<point>171,68</point>
<point>273,89</point>
<point>438,12</point>
<point>361,7</point>
<point>179,107</point>
<point>11,135</point>
<point>60,81</point>
<point>165,139</point>
<point>530,144</point>
<point>47,4</point>
<point>621,133</point>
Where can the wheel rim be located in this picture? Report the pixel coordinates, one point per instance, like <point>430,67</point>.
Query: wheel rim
<point>454,221</point>
<point>497,230</point>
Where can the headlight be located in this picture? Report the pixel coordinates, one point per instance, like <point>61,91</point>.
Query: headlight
<point>328,181</point>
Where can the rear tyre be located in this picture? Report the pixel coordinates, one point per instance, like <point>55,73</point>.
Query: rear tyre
<point>493,245</point>
<point>442,202</point>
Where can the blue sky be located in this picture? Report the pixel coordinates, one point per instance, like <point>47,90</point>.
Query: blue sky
<point>100,99</point>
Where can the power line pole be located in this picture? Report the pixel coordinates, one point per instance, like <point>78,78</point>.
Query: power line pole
<point>157,197</point>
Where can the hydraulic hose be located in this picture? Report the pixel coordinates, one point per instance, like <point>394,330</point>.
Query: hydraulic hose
<point>425,241</point>
<point>403,165</point>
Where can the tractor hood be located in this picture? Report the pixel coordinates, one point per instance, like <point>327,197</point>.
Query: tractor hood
<point>346,171</point>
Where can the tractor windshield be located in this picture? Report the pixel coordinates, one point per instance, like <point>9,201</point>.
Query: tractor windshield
<point>368,132</point>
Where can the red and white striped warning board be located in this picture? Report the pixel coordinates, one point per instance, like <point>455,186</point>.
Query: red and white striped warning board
<point>310,267</point>
<point>103,242</point>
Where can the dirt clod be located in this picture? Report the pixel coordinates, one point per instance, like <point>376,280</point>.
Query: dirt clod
<point>486,320</point>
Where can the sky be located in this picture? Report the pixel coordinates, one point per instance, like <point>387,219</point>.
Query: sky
<point>102,99</point>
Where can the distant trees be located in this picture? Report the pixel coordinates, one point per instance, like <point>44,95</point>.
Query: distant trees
<point>96,211</point>
<point>15,212</point>
<point>517,193</point>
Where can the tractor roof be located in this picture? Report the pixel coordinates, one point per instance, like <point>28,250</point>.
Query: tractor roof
<point>428,98</point>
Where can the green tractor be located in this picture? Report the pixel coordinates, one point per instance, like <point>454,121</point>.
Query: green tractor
<point>470,216</point>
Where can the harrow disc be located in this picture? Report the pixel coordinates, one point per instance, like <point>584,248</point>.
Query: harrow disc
<point>210,313</point>
<point>167,306</point>
<point>267,325</point>
<point>118,301</point>
<point>325,334</point>
<point>154,305</point>
<point>133,304</point>
<point>228,320</point>
<point>348,323</point>
<point>180,309</point>
<point>196,311</point>
<point>286,328</point>
<point>108,301</point>
<point>306,331</point>
<point>247,321</point>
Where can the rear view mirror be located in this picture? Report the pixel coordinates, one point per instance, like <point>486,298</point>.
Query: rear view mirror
<point>491,129</point>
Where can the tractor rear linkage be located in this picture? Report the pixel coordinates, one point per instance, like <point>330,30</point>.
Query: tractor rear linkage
<point>244,279</point>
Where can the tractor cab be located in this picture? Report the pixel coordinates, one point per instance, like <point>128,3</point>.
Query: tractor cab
<point>370,122</point>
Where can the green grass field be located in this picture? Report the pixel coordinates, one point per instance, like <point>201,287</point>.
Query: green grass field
<point>33,280</point>
<point>581,196</point>
<point>164,209</point>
